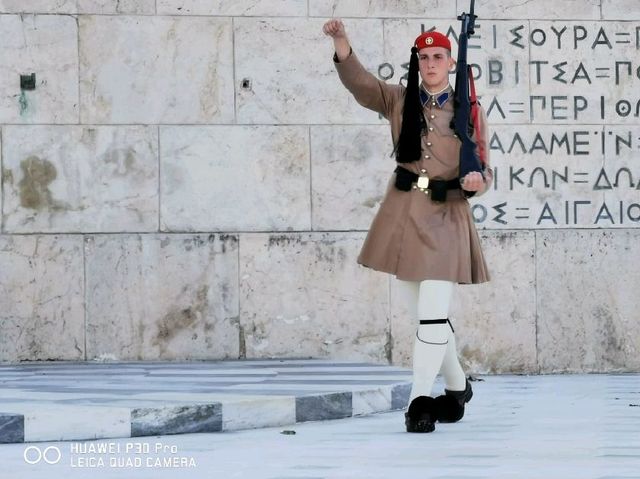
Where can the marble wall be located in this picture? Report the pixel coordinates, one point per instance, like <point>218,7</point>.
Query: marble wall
<point>190,180</point>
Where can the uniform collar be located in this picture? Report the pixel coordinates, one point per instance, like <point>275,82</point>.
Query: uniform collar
<point>440,98</point>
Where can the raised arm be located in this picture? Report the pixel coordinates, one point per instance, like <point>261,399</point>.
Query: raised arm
<point>368,90</point>
<point>335,29</point>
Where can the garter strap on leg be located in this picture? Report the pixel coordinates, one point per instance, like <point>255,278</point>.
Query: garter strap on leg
<point>431,321</point>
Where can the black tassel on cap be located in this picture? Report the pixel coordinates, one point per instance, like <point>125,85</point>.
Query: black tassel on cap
<point>409,144</point>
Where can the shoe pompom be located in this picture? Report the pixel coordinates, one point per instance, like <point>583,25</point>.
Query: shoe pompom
<point>421,405</point>
<point>421,415</point>
<point>448,409</point>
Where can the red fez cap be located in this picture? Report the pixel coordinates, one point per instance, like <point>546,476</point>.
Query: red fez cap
<point>432,39</point>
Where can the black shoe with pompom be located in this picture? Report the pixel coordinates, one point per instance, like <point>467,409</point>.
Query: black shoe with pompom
<point>421,415</point>
<point>450,406</point>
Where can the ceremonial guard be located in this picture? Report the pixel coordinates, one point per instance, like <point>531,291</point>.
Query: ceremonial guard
<point>423,233</point>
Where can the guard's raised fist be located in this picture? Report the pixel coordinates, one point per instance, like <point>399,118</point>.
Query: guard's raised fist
<point>334,28</point>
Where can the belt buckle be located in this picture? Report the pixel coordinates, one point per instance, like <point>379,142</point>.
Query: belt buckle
<point>423,184</point>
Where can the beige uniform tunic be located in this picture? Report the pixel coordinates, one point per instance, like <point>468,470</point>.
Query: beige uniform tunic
<point>412,236</point>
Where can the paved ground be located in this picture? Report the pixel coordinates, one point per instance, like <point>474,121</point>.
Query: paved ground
<point>578,426</point>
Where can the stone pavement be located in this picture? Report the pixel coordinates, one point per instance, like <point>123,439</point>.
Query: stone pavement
<point>516,427</point>
<point>74,401</point>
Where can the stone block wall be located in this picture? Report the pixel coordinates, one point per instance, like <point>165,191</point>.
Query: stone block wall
<point>189,180</point>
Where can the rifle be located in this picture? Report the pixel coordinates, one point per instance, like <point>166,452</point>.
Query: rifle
<point>470,160</point>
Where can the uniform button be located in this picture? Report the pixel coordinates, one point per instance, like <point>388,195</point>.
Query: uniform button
<point>427,157</point>
<point>423,171</point>
<point>429,143</point>
<point>433,104</point>
<point>415,187</point>
<point>430,128</point>
<point>432,117</point>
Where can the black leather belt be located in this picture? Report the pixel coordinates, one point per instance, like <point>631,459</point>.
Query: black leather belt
<point>405,180</point>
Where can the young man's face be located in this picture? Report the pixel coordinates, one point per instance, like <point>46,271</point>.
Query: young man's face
<point>435,63</point>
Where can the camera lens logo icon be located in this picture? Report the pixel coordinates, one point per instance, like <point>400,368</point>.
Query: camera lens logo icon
<point>34,455</point>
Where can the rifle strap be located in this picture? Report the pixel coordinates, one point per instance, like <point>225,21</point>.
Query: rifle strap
<point>475,113</point>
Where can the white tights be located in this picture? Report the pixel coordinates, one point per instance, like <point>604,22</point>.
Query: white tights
<point>435,345</point>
